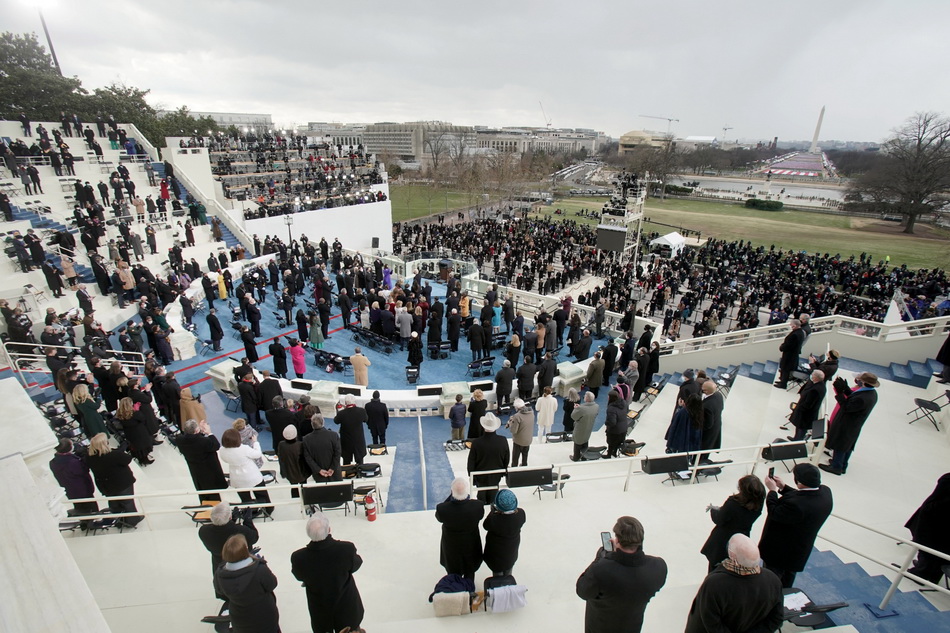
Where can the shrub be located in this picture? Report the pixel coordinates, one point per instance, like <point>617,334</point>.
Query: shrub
<point>764,205</point>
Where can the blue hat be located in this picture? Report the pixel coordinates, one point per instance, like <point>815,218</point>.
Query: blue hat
<point>505,501</point>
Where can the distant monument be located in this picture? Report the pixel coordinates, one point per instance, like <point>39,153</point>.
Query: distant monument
<point>814,139</point>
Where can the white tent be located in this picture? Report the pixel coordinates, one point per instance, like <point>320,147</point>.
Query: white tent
<point>669,245</point>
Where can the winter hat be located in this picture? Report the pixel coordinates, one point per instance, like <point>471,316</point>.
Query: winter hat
<point>290,432</point>
<point>505,501</point>
<point>519,404</point>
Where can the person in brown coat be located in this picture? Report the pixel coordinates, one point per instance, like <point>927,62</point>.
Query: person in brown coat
<point>360,367</point>
<point>191,407</point>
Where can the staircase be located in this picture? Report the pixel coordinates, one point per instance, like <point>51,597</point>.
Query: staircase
<point>827,579</point>
<point>40,222</point>
<point>230,240</point>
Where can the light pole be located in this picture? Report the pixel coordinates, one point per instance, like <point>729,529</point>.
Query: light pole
<point>49,42</point>
<point>289,221</point>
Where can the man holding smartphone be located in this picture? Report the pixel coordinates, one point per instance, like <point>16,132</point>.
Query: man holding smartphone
<point>620,582</point>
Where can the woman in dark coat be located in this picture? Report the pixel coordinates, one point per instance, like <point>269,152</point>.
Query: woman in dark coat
<point>929,527</point>
<point>133,424</point>
<point>249,585</point>
<point>88,409</point>
<point>250,345</point>
<point>735,516</point>
<point>476,409</point>
<point>503,532</point>
<point>570,401</point>
<point>654,367</point>
<point>686,429</point>
<point>616,423</point>
<point>163,348</point>
<point>415,350</point>
<point>303,326</point>
<point>461,548</point>
<point>279,356</point>
<point>142,399</point>
<point>113,476</point>
<point>513,350</point>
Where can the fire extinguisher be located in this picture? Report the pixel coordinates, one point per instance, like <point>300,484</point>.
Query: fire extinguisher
<point>370,505</point>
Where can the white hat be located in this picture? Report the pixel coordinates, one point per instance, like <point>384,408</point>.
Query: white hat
<point>290,432</point>
<point>519,403</point>
<point>490,422</point>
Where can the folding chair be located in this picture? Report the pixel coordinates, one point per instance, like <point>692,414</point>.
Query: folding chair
<point>200,514</point>
<point>326,497</point>
<point>38,295</point>
<point>233,398</point>
<point>927,409</point>
<point>654,390</point>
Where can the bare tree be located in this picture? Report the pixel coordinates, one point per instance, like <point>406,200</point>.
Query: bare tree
<point>435,144</point>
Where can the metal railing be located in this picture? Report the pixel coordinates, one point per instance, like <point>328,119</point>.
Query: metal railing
<point>24,363</point>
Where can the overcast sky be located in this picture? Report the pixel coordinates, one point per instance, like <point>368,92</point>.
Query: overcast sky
<point>763,69</point>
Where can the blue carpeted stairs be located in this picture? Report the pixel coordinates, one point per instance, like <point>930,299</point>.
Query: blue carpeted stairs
<point>40,222</point>
<point>827,579</point>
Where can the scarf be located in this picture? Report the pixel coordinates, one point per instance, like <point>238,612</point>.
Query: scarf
<point>738,569</point>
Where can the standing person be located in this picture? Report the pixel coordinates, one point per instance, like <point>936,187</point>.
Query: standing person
<point>571,401</point>
<point>713,404</point>
<point>113,477</point>
<point>525,376</point>
<point>460,551</point>
<point>546,406</point>
<point>72,473</point>
<point>293,467</point>
<point>243,469</point>
<point>488,452</point>
<point>854,407</point>
<point>791,349</point>
<point>583,416</point>
<point>457,418</point>
<point>250,345</point>
<point>793,521</point>
<point>504,381</point>
<point>215,534</point>
<point>477,407</point>
<point>352,438</point>
<point>928,527</point>
<point>595,374</point>
<point>415,350</point>
<point>503,533</point>
<point>521,425</point>
<point>619,584</point>
<point>250,398</point>
<point>808,409</point>
<point>377,418</point>
<point>326,567</point>
<point>615,423</point>
<point>298,357</point>
<point>215,329</point>
<point>321,451</point>
<point>279,357</point>
<point>88,409</point>
<point>248,583</point>
<point>738,595</point>
<point>200,447</point>
<point>360,367</point>
<point>685,432</point>
<point>735,516</point>
<point>316,331</point>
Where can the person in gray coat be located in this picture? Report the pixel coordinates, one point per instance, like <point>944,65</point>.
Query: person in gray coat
<point>404,326</point>
<point>521,425</point>
<point>584,416</point>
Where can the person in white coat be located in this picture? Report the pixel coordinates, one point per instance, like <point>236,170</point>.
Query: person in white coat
<point>243,470</point>
<point>546,406</point>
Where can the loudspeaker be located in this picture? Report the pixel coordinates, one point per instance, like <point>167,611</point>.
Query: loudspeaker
<point>301,384</point>
<point>375,242</point>
<point>242,197</point>
<point>611,238</point>
<point>781,452</point>
<point>664,465</point>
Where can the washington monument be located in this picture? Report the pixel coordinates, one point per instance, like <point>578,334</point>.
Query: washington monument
<point>814,139</point>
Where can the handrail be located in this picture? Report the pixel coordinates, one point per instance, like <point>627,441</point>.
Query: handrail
<point>902,570</point>
<point>131,360</point>
<point>143,141</point>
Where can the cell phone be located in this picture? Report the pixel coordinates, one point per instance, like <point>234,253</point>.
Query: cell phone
<point>772,472</point>
<point>606,542</point>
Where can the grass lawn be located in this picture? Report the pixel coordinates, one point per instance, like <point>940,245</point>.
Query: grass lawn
<point>798,230</point>
<point>416,201</point>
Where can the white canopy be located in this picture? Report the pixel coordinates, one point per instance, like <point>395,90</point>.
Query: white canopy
<point>674,241</point>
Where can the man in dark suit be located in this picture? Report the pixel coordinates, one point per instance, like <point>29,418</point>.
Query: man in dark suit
<point>546,372</point>
<point>646,338</point>
<point>377,418</point>
<point>582,348</point>
<point>254,316</point>
<point>351,419</point>
<point>503,383</point>
<point>793,521</point>
<point>713,404</point>
<point>477,340</point>
<point>610,360</point>
<point>461,546</point>
<point>321,450</point>
<point>84,298</point>
<point>791,349</point>
<point>488,452</point>
<point>199,447</point>
<point>249,401</point>
<point>854,407</point>
<point>525,375</point>
<point>808,408</point>
<point>454,328</point>
<point>278,416</point>
<point>269,389</point>
<point>217,332</point>
<point>171,394</point>
<point>326,567</point>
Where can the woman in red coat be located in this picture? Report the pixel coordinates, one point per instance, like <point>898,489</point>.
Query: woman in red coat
<point>298,356</point>
<point>164,190</point>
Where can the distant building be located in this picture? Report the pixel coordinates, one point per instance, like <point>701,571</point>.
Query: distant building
<point>418,141</point>
<point>695,142</point>
<point>521,140</point>
<point>640,138</point>
<point>237,119</point>
<point>345,134</point>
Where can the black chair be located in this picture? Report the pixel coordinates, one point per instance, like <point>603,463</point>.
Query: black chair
<point>779,451</point>
<point>233,398</point>
<point>811,615</point>
<point>927,408</point>
<point>668,466</point>
<point>529,477</point>
<point>329,496</point>
<point>556,486</point>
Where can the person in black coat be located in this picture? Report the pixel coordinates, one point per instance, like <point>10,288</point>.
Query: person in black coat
<point>215,329</point>
<point>54,278</point>
<point>928,526</point>
<point>249,589</point>
<point>488,452</point>
<point>504,380</point>
<point>279,356</point>
<point>250,345</point>
<point>415,350</point>
<point>525,376</point>
<point>615,424</point>
<point>503,533</point>
<point>279,416</point>
<point>250,400</point>
<point>303,326</point>
<point>326,567</point>
<point>855,406</point>
<point>808,408</point>
<point>791,349</point>
<point>610,361</point>
<point>619,584</point>
<point>453,329</point>
<point>254,316</point>
<point>643,362</point>
<point>84,299</point>
<point>171,396</point>
<point>114,478</point>
<point>200,447</point>
<point>352,438</point>
<point>269,388</point>
<point>377,418</point>
<point>735,516</point>
<point>321,451</point>
<point>793,521</point>
<point>546,372</point>
<point>215,534</point>
<point>713,404</point>
<point>72,473</point>
<point>460,551</point>
<point>582,348</point>
<point>476,340</point>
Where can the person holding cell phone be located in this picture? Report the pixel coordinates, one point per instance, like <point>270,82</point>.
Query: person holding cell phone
<point>620,582</point>
<point>735,516</point>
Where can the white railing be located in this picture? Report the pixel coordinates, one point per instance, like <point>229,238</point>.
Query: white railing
<point>144,142</point>
<point>23,363</point>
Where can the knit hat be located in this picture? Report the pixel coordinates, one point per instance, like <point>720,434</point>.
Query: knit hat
<point>807,475</point>
<point>290,432</point>
<point>490,422</point>
<point>505,501</point>
<point>519,404</point>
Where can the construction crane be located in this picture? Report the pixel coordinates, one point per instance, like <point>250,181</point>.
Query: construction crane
<point>547,121</point>
<point>669,121</point>
<point>725,128</point>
